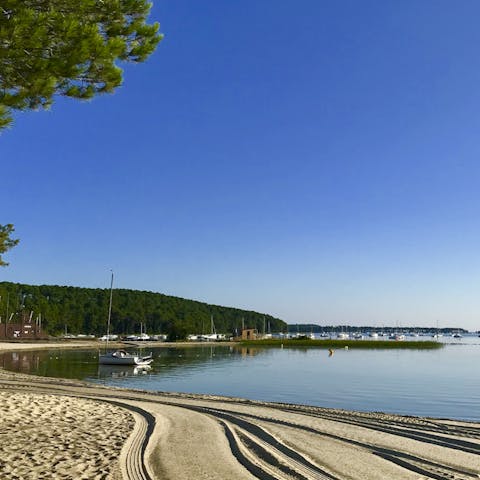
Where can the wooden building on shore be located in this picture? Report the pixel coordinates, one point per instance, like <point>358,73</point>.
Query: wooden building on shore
<point>25,329</point>
<point>249,334</point>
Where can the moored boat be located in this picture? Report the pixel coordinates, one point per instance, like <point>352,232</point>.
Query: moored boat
<point>121,357</point>
<point>397,337</point>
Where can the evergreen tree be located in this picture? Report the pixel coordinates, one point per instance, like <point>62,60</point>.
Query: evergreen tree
<point>68,47</point>
<point>6,242</point>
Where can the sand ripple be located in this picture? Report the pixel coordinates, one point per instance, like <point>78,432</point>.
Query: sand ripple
<point>58,437</point>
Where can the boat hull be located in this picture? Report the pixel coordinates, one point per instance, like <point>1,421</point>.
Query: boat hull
<point>123,358</point>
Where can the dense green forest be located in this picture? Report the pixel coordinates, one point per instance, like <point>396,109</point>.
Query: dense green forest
<point>85,310</point>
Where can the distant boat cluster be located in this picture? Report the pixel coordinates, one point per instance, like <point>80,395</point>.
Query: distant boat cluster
<point>344,336</point>
<point>222,337</point>
<point>142,337</point>
<point>398,336</point>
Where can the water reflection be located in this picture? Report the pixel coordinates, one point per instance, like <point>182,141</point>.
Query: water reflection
<point>83,364</point>
<point>118,371</point>
<point>20,361</point>
<point>247,351</point>
<point>422,382</point>
<point>52,363</point>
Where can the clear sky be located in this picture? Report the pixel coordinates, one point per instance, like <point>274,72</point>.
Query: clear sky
<point>316,160</point>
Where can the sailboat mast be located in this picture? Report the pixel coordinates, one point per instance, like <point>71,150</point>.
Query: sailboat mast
<point>110,309</point>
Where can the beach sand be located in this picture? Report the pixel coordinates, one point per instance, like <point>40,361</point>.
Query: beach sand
<point>51,436</point>
<point>64,429</point>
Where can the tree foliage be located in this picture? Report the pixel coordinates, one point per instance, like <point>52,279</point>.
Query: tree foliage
<point>67,47</point>
<point>176,332</point>
<point>85,310</point>
<point>6,241</point>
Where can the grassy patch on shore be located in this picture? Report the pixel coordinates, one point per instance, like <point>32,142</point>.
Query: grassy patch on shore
<point>329,343</point>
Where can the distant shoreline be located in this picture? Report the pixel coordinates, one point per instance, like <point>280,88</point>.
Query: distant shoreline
<point>270,343</point>
<point>333,343</point>
<point>6,345</point>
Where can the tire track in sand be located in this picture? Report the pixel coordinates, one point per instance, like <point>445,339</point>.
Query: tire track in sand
<point>264,455</point>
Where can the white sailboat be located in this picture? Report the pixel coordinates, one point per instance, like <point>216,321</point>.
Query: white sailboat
<point>266,334</point>
<point>457,335</point>
<point>119,357</point>
<point>213,336</point>
<point>437,333</point>
<point>342,335</point>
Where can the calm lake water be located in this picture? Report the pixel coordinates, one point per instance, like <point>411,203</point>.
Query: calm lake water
<point>436,383</point>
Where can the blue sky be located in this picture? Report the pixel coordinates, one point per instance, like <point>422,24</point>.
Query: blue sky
<point>316,160</point>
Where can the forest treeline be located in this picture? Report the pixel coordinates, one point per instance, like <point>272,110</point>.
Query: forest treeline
<point>85,310</point>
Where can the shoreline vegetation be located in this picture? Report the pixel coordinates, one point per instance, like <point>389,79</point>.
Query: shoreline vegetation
<point>332,343</point>
<point>173,435</point>
<point>84,310</point>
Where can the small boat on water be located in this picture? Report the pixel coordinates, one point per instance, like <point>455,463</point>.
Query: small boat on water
<point>437,333</point>
<point>121,357</point>
<point>398,337</point>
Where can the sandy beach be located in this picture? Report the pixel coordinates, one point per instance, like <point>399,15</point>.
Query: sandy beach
<point>64,429</point>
